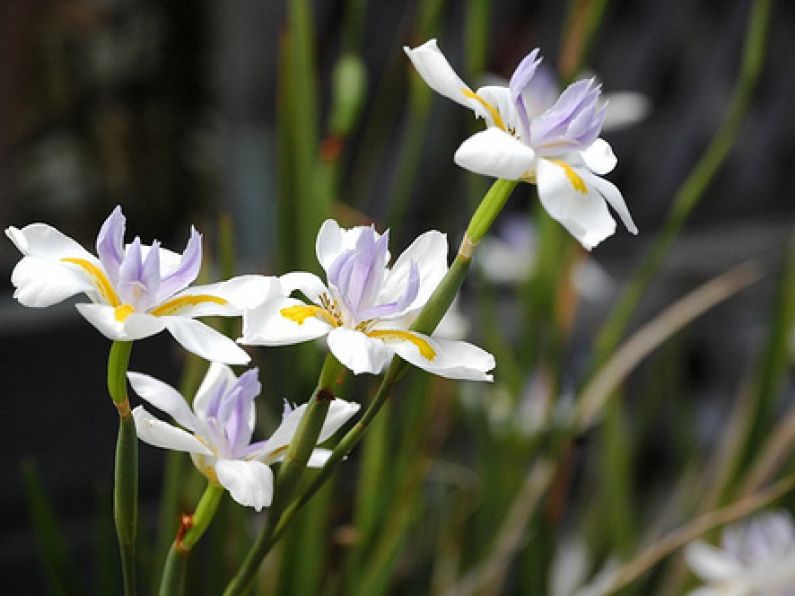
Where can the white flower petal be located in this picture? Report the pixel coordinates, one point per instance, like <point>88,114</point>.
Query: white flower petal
<point>493,152</point>
<point>250,483</point>
<point>164,397</point>
<point>244,291</point>
<point>318,458</point>
<point>357,352</point>
<point>339,412</point>
<point>599,157</point>
<point>265,325</point>
<point>332,240</point>
<point>309,284</point>
<point>499,97</point>
<point>44,241</point>
<point>624,108</point>
<point>217,374</point>
<point>436,71</point>
<point>711,563</point>
<point>205,341</point>
<point>452,359</point>
<point>161,434</point>
<point>613,196</point>
<point>584,215</point>
<point>429,251</point>
<point>136,326</point>
<point>40,282</point>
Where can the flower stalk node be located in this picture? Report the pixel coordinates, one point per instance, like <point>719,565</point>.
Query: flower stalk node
<point>467,248</point>
<point>325,395</point>
<point>185,524</point>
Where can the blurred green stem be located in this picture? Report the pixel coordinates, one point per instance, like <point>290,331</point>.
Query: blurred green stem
<point>190,531</point>
<point>125,492</point>
<point>300,449</point>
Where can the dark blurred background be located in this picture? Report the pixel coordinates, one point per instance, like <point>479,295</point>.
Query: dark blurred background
<point>170,109</point>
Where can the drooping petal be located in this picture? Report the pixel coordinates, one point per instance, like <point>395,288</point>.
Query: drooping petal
<point>357,352</point>
<point>271,324</point>
<point>161,434</point>
<point>183,275</point>
<point>45,242</point>
<point>429,252</point>
<point>614,198</point>
<point>436,71</point>
<point>309,284</point>
<point>339,412</point>
<point>217,375</point>
<point>492,152</point>
<point>205,341</point>
<point>711,563</point>
<point>449,358</point>
<point>131,327</point>
<point>250,483</point>
<point>164,397</point>
<point>39,282</point>
<point>599,157</point>
<point>583,214</point>
<point>110,242</point>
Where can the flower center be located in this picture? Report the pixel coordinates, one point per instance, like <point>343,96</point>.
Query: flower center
<point>329,312</point>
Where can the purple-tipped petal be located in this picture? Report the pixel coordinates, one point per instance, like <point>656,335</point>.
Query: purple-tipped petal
<point>186,271</point>
<point>524,73</point>
<point>110,242</point>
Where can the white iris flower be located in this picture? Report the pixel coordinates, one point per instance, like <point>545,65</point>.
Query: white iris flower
<point>367,307</point>
<point>558,149</point>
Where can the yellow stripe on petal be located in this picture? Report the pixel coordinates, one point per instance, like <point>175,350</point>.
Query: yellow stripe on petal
<point>301,312</point>
<point>99,279</point>
<point>170,307</point>
<point>122,312</point>
<point>576,181</point>
<point>426,351</point>
<point>493,112</point>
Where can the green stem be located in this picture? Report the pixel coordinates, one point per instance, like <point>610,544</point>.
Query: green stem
<point>300,449</point>
<point>125,490</point>
<point>191,530</point>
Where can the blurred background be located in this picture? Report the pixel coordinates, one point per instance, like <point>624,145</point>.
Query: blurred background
<point>211,113</point>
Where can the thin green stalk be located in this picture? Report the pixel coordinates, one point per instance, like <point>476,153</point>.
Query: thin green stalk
<point>125,490</point>
<point>300,449</point>
<point>191,530</point>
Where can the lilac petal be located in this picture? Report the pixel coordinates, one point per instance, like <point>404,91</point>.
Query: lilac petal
<point>524,73</point>
<point>365,252</point>
<point>130,270</point>
<point>110,242</point>
<point>150,270</point>
<point>339,272</point>
<point>375,277</point>
<point>239,415</point>
<point>186,271</point>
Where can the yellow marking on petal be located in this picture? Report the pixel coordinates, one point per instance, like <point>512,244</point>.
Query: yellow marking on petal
<point>123,311</point>
<point>98,277</point>
<point>169,307</point>
<point>426,351</point>
<point>577,182</point>
<point>301,312</point>
<point>495,114</point>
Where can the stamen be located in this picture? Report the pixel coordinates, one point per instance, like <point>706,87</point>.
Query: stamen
<point>169,307</point>
<point>426,351</point>
<point>493,112</point>
<point>123,311</point>
<point>301,312</point>
<point>577,182</point>
<point>101,281</point>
